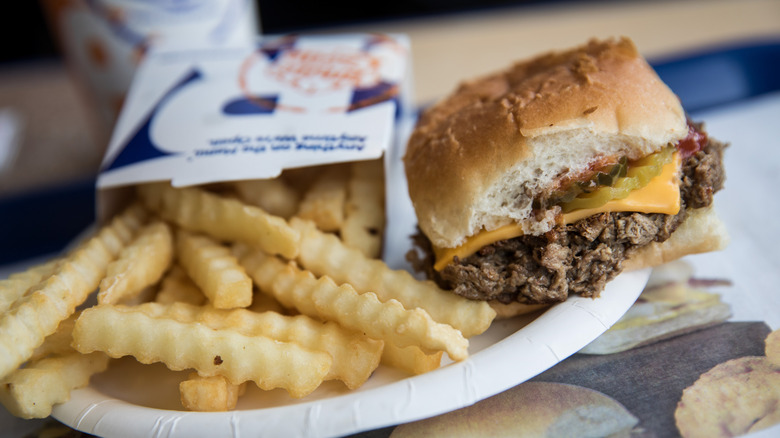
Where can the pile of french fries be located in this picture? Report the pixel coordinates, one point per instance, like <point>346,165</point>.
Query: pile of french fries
<point>277,282</point>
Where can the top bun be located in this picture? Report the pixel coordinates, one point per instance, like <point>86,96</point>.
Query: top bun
<point>478,158</point>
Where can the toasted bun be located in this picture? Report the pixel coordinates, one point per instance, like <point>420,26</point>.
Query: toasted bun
<point>702,231</point>
<point>478,158</point>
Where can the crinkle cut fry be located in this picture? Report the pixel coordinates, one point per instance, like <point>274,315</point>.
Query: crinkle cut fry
<point>122,330</point>
<point>272,195</point>
<point>209,394</point>
<point>38,313</point>
<point>364,210</point>
<point>177,286</point>
<point>57,343</point>
<point>222,218</point>
<point>16,285</point>
<point>32,391</point>
<point>322,298</point>
<point>324,202</point>
<point>214,269</point>
<point>355,355</point>
<point>410,359</point>
<point>262,302</point>
<point>325,254</point>
<point>140,264</point>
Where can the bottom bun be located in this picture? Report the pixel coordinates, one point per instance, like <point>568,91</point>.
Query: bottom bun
<point>702,231</point>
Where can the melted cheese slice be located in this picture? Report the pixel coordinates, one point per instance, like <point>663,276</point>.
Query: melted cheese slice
<point>661,195</point>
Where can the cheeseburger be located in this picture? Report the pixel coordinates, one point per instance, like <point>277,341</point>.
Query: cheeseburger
<point>553,176</point>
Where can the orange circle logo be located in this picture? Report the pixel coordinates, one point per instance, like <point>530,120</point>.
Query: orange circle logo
<point>313,71</point>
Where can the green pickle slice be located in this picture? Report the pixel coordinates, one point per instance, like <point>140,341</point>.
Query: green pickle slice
<point>637,175</point>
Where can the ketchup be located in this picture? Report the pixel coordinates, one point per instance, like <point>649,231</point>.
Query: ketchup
<point>693,142</point>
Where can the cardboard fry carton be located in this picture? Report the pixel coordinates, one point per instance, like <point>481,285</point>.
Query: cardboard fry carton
<point>204,116</point>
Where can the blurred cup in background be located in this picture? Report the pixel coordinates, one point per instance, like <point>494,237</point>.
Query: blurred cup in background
<point>103,41</point>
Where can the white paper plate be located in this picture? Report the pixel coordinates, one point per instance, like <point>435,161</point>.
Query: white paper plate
<point>131,400</point>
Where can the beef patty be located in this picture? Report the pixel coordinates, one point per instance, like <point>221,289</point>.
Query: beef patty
<point>576,258</point>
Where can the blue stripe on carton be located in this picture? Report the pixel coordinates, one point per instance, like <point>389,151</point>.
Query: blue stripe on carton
<point>273,50</point>
<point>141,147</point>
<point>251,105</point>
<point>363,97</point>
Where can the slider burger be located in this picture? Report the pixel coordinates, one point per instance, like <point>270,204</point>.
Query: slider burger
<point>553,176</point>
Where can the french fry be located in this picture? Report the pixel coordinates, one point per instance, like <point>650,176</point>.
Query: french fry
<point>122,228</point>
<point>322,298</point>
<point>209,394</point>
<point>410,359</point>
<point>38,313</point>
<point>141,264</point>
<point>120,331</point>
<point>323,203</point>
<point>354,355</point>
<point>301,179</point>
<point>17,284</point>
<point>222,218</point>
<point>216,272</point>
<point>266,303</point>
<point>146,295</point>
<point>272,195</point>
<point>324,254</point>
<point>57,343</point>
<point>364,212</point>
<point>177,286</point>
<point>31,392</point>
<point>207,315</point>
<point>772,348</point>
